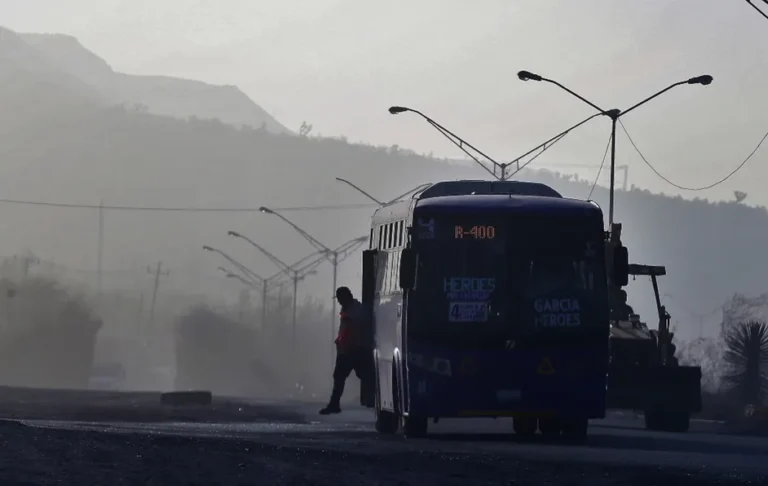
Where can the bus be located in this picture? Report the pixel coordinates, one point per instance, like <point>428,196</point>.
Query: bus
<point>490,299</point>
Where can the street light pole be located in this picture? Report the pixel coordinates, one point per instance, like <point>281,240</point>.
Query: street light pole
<point>229,274</point>
<point>335,263</point>
<point>255,279</point>
<point>614,115</point>
<point>330,255</point>
<point>380,203</point>
<point>253,276</point>
<point>614,120</point>
<point>289,270</point>
<point>295,279</point>
<point>302,269</point>
<point>501,167</point>
<point>250,285</point>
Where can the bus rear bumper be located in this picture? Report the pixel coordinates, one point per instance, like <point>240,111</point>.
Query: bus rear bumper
<point>535,401</point>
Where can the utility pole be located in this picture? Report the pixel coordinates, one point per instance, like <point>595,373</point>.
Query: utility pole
<point>140,316</point>
<point>100,248</point>
<point>26,262</point>
<point>157,272</point>
<point>264,290</point>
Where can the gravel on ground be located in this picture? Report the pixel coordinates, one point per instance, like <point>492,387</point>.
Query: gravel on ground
<point>45,456</point>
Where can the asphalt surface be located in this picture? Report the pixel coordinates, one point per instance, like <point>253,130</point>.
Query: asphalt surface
<point>288,443</point>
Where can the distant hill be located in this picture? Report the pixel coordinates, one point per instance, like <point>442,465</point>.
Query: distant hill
<point>162,95</point>
<point>31,86</point>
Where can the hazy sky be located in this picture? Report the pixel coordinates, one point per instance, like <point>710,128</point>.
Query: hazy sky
<point>340,63</point>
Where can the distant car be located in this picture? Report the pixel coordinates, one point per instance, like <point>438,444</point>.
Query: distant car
<point>107,376</point>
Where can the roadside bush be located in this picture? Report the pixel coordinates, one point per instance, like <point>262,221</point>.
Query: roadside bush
<point>214,352</point>
<point>48,335</point>
<point>232,352</point>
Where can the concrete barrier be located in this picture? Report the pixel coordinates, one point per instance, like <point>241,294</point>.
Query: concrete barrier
<point>191,397</point>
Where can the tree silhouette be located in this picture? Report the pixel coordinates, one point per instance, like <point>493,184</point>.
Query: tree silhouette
<point>305,129</point>
<point>746,353</point>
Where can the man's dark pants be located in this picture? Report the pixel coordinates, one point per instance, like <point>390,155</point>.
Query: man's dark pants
<point>361,362</point>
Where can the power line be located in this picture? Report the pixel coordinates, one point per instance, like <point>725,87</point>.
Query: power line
<point>184,209</point>
<point>602,163</point>
<point>684,188</point>
<point>758,8</point>
<point>547,145</point>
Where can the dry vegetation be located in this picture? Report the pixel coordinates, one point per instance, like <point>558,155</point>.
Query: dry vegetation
<point>48,335</point>
<point>735,378</point>
<point>235,354</point>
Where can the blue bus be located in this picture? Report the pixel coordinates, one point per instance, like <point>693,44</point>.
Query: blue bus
<point>489,299</point>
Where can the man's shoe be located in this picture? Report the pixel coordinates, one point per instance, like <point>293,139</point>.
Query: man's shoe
<point>330,409</point>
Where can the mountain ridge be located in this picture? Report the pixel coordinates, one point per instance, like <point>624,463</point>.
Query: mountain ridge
<point>157,94</point>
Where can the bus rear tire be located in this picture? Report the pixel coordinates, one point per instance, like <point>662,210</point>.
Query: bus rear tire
<point>415,426</point>
<point>525,427</point>
<point>386,422</point>
<point>653,419</point>
<point>575,430</point>
<point>680,422</point>
<point>550,427</point>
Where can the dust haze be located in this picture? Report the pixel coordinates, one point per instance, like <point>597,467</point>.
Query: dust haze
<point>86,288</point>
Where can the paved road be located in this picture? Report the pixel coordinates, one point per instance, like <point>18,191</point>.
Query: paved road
<point>618,449</point>
<point>76,437</point>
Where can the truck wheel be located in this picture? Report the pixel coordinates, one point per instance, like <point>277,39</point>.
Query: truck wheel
<point>653,420</point>
<point>525,427</point>
<point>575,430</point>
<point>549,427</point>
<point>668,420</point>
<point>677,421</point>
<point>415,426</point>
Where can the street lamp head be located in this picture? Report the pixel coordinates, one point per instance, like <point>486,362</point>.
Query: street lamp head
<point>265,209</point>
<point>207,248</point>
<point>234,233</point>
<point>396,110</point>
<point>528,76</point>
<point>703,80</point>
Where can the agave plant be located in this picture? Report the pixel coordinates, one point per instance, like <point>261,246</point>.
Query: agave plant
<point>746,357</point>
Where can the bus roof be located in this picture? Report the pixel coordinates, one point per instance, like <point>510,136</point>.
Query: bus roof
<point>507,203</point>
<point>483,195</point>
<point>468,186</point>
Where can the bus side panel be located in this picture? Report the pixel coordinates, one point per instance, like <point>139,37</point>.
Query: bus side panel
<point>384,370</point>
<point>387,306</point>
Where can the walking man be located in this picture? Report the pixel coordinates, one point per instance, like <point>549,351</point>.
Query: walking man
<point>354,351</point>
